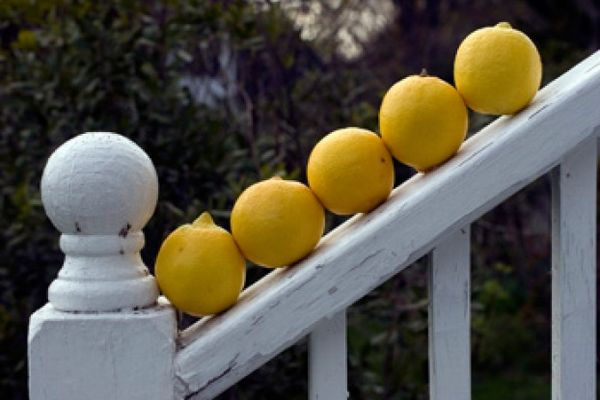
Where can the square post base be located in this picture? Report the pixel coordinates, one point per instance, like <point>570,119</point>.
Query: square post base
<point>102,356</point>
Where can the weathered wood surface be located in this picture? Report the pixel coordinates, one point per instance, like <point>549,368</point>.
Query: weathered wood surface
<point>327,359</point>
<point>369,249</point>
<point>450,318</point>
<point>99,189</point>
<point>574,275</point>
<point>100,356</point>
<point>102,336</point>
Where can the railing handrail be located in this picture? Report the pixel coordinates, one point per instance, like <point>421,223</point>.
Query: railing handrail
<point>368,249</point>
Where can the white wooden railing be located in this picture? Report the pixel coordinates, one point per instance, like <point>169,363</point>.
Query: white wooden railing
<point>101,337</point>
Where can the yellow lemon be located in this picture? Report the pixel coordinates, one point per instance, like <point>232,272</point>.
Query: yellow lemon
<point>350,171</point>
<point>199,268</point>
<point>423,121</point>
<point>277,222</point>
<point>497,70</point>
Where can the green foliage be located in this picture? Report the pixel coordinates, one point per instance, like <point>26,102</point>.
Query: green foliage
<point>69,66</point>
<point>522,387</point>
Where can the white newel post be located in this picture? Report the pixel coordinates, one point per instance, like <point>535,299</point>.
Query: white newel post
<point>102,335</point>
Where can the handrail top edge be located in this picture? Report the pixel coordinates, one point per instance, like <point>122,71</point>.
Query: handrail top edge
<point>496,133</point>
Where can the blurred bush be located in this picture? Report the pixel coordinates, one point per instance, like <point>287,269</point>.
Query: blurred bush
<point>224,93</point>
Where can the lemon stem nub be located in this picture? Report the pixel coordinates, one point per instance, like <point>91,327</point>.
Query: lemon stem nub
<point>204,219</point>
<point>503,25</point>
<point>423,73</point>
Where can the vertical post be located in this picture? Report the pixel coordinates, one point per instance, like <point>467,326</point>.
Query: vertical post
<point>574,275</point>
<point>449,318</point>
<point>102,335</point>
<point>327,356</point>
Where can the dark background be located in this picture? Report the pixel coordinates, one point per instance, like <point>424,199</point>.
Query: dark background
<point>224,93</point>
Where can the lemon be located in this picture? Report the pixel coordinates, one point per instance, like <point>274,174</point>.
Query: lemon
<point>277,222</point>
<point>423,121</point>
<point>497,70</point>
<point>350,171</point>
<point>199,268</point>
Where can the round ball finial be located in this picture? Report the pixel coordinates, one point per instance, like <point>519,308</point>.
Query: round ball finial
<point>100,189</point>
<point>99,183</point>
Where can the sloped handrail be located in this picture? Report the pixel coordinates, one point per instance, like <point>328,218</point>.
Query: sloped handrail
<point>368,249</point>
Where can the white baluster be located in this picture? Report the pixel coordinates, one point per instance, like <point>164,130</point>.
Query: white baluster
<point>101,336</point>
<point>574,275</point>
<point>449,318</point>
<point>327,354</point>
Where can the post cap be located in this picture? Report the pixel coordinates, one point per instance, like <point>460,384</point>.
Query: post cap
<point>99,189</point>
